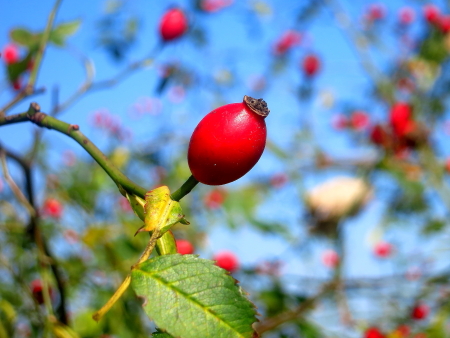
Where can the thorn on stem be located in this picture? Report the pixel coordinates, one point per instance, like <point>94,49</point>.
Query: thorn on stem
<point>73,127</point>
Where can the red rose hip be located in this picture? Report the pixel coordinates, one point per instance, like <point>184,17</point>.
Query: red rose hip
<point>184,247</point>
<point>420,311</point>
<point>228,142</point>
<point>311,65</point>
<point>373,332</point>
<point>227,260</point>
<point>10,54</point>
<point>173,24</point>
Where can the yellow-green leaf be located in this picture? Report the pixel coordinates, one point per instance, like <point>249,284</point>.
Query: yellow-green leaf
<point>161,212</point>
<point>137,204</point>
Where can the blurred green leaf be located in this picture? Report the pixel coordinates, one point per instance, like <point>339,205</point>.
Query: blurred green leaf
<point>434,226</point>
<point>61,32</point>
<point>308,330</point>
<point>433,47</point>
<point>7,319</point>
<point>23,37</point>
<point>15,70</point>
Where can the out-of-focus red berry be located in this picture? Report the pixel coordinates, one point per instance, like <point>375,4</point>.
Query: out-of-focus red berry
<point>340,122</point>
<point>420,311</point>
<point>420,335</point>
<point>278,180</point>
<point>402,331</point>
<point>447,165</point>
<point>184,247</point>
<point>376,12</point>
<point>30,65</point>
<point>215,198</point>
<point>226,260</point>
<point>383,249</point>
<point>379,135</point>
<point>400,117</point>
<point>288,40</point>
<point>214,5</point>
<point>10,53</point>
<point>444,23</point>
<point>173,24</point>
<point>406,15</point>
<point>373,332</point>
<point>431,13</point>
<point>37,291</point>
<point>359,120</point>
<point>52,208</point>
<point>311,65</point>
<point>17,84</point>
<point>330,258</point>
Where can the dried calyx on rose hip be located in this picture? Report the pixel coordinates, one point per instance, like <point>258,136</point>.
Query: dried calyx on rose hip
<point>228,142</point>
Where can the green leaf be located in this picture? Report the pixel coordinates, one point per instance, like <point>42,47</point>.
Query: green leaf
<point>308,329</point>
<point>434,226</point>
<point>190,297</point>
<point>23,37</point>
<point>161,335</point>
<point>161,212</point>
<point>61,32</point>
<point>137,204</point>
<point>15,70</point>
<point>166,245</point>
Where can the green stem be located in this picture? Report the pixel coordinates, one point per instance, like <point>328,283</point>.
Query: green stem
<point>72,130</point>
<point>126,283</point>
<point>184,189</point>
<point>43,45</point>
<point>166,244</point>
<point>22,117</point>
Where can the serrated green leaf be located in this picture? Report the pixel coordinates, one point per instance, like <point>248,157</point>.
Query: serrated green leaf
<point>190,297</point>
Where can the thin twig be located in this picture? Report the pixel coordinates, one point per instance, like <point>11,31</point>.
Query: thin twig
<point>43,45</point>
<point>72,130</point>
<point>126,283</point>
<point>15,189</point>
<point>89,85</point>
<point>273,322</point>
<point>4,261</point>
<point>26,92</point>
<point>358,40</point>
<point>46,257</point>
